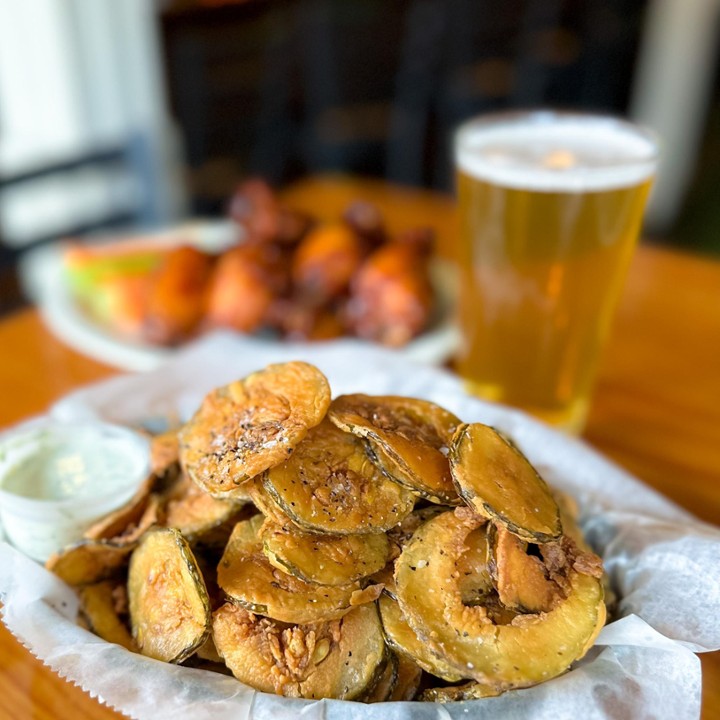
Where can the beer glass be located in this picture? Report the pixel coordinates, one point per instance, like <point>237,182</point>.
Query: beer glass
<point>550,208</point>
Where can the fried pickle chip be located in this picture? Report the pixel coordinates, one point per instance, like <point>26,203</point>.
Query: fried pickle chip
<point>521,579</point>
<point>529,649</point>
<point>208,652</point>
<point>169,604</point>
<point>457,693</point>
<point>408,439</point>
<point>385,683</point>
<point>392,541</point>
<point>248,426</point>
<point>401,637</point>
<point>99,604</point>
<point>133,518</point>
<point>249,580</point>
<point>90,561</point>
<point>497,480</point>
<point>398,537</point>
<point>473,567</point>
<point>336,659</point>
<point>199,516</point>
<point>409,676</point>
<point>329,485</point>
<point>323,559</point>
<point>264,502</point>
<point>164,452</point>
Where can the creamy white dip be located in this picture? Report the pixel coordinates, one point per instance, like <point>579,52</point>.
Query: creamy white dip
<point>58,478</point>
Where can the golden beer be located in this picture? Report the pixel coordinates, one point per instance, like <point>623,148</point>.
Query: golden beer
<point>550,207</point>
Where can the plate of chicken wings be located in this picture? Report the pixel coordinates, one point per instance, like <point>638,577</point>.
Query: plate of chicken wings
<point>266,271</point>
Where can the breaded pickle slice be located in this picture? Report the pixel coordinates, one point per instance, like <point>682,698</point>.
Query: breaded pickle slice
<point>198,515</point>
<point>99,604</point>
<point>164,452</point>
<point>498,481</point>
<point>398,537</point>
<point>528,649</point>
<point>89,561</point>
<point>248,579</point>
<point>457,693</point>
<point>336,659</point>
<point>329,485</point>
<point>264,502</point>
<point>208,652</point>
<point>409,676</point>
<point>408,438</point>
<point>324,559</point>
<point>401,637</point>
<point>521,579</point>
<point>135,516</point>
<point>248,426</point>
<point>385,683</point>
<point>473,567</point>
<point>401,534</point>
<point>169,604</point>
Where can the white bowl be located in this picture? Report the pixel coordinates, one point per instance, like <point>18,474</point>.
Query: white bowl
<point>57,478</point>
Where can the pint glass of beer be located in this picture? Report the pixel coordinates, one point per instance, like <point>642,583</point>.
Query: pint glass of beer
<point>550,207</point>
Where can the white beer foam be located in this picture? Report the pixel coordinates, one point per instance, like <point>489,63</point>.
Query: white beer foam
<point>556,153</point>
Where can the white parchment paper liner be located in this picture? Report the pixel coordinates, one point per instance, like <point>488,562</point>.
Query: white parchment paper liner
<point>664,564</point>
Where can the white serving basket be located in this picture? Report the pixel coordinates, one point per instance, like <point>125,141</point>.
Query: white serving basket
<point>663,563</point>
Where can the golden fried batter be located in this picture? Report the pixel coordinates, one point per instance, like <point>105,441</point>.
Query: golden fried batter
<point>251,425</point>
<point>336,659</point>
<point>329,485</point>
<point>409,440</point>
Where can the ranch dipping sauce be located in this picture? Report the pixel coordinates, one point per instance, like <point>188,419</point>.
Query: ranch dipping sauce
<point>56,479</point>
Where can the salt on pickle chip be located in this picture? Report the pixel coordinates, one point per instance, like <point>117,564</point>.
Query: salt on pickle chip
<point>408,439</point>
<point>330,485</point>
<point>248,426</point>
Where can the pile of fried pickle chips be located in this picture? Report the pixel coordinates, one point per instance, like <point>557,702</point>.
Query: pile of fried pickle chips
<point>363,548</point>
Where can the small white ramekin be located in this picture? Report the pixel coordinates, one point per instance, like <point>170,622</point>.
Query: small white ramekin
<point>108,461</point>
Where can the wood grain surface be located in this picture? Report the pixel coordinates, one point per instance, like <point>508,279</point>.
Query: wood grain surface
<point>656,408</point>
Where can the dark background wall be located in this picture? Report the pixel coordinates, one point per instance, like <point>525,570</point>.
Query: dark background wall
<point>285,87</point>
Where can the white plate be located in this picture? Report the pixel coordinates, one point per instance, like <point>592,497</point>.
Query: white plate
<point>43,280</point>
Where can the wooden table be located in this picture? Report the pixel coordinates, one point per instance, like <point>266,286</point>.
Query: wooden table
<point>656,409</point>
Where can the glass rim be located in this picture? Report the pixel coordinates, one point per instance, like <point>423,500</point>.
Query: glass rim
<point>469,135</point>
<point>542,116</point>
